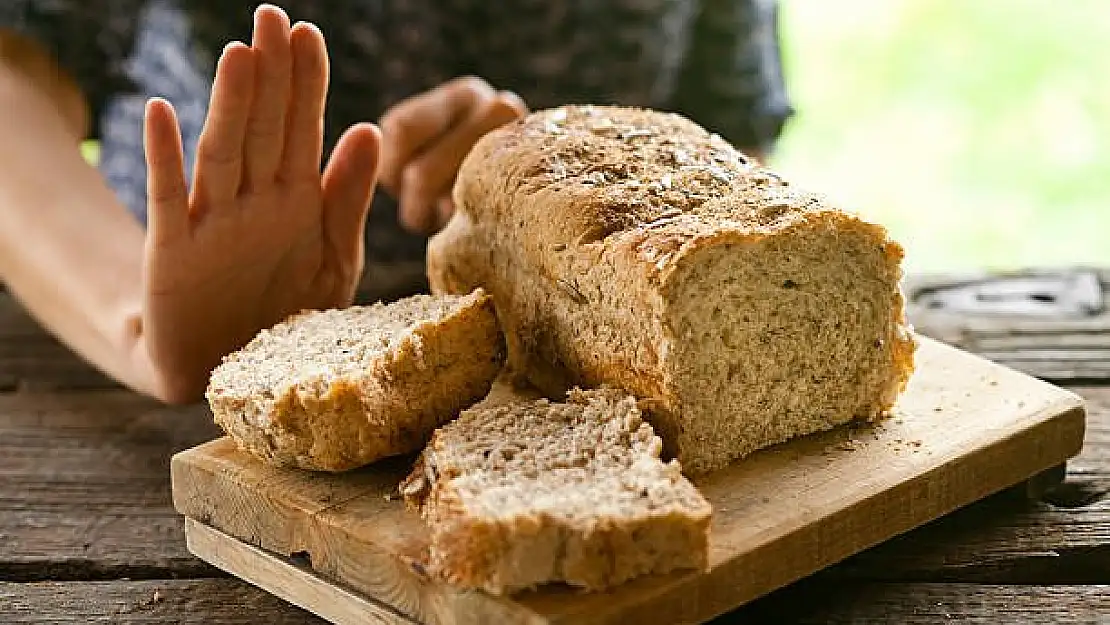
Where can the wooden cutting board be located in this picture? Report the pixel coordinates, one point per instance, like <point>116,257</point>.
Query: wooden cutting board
<point>344,548</point>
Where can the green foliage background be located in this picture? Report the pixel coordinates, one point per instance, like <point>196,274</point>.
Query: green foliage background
<point>976,130</point>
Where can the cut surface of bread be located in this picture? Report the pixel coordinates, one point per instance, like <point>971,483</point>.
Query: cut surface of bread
<point>523,493</point>
<point>337,389</point>
<point>632,248</point>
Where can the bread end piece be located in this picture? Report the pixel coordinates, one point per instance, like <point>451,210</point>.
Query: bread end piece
<point>335,390</point>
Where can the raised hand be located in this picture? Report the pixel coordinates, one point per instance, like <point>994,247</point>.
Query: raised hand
<point>263,233</point>
<point>425,138</point>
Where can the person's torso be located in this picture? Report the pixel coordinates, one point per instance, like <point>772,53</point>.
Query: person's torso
<point>382,51</point>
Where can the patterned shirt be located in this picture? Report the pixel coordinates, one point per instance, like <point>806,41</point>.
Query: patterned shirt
<point>716,61</point>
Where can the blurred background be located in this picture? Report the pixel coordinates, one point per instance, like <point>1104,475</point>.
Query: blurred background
<point>977,131</point>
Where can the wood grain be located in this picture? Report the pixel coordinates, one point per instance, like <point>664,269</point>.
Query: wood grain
<point>84,486</point>
<point>84,496</point>
<point>1064,537</point>
<point>227,601</point>
<point>267,571</point>
<point>998,541</point>
<point>31,359</point>
<point>819,599</point>
<point>1001,538</point>
<point>1094,461</point>
<point>965,428</point>
<point>194,602</point>
<point>924,603</point>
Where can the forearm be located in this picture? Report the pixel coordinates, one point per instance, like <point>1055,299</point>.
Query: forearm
<point>68,249</point>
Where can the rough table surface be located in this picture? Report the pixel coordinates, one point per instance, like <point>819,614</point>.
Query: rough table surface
<point>88,533</point>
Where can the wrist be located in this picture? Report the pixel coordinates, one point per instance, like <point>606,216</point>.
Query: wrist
<point>169,380</point>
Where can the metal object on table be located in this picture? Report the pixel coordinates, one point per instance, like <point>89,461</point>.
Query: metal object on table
<point>1064,295</point>
<point>1051,324</point>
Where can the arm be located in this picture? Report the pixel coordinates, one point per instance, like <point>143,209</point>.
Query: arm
<point>262,233</point>
<point>69,251</point>
<point>731,80</point>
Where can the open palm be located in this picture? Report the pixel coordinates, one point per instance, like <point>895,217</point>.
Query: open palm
<point>263,233</point>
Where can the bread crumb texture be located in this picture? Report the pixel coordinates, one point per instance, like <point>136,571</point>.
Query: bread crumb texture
<point>632,248</point>
<point>532,492</point>
<point>336,389</point>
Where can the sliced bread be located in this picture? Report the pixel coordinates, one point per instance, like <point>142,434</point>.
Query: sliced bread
<point>336,389</point>
<point>519,494</point>
<point>632,248</point>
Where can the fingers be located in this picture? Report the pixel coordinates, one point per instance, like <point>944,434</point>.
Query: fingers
<point>272,85</point>
<point>348,185</point>
<point>430,175</point>
<point>412,124</point>
<point>167,198</point>
<point>445,208</point>
<point>220,147</point>
<point>304,135</point>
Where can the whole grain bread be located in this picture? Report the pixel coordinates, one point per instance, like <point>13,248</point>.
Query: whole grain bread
<point>632,248</point>
<point>527,492</point>
<point>336,389</point>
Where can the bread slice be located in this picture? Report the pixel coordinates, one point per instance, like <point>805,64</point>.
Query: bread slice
<point>524,493</point>
<point>336,389</point>
<point>632,248</point>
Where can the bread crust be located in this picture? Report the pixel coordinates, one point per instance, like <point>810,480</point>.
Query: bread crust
<point>579,220</point>
<point>439,367</point>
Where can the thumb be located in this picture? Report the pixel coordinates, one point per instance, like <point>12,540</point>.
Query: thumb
<point>348,185</point>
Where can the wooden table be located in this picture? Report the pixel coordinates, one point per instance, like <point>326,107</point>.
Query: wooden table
<point>87,531</point>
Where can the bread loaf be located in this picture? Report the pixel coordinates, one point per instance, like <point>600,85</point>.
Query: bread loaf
<point>522,493</point>
<point>633,248</point>
<point>333,390</point>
